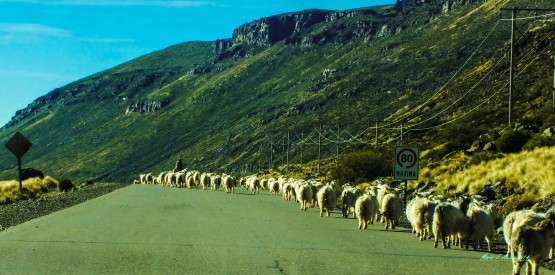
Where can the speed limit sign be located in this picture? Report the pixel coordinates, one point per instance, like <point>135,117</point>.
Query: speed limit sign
<point>406,163</point>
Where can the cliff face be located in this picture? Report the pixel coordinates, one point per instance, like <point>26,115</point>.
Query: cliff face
<point>267,31</point>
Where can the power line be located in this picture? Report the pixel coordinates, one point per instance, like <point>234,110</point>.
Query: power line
<point>413,110</point>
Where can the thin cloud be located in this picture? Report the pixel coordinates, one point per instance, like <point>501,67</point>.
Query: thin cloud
<point>24,32</point>
<point>117,3</point>
<point>107,40</point>
<point>34,29</point>
<point>35,74</point>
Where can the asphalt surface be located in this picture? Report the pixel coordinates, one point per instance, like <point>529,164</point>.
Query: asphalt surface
<point>152,230</point>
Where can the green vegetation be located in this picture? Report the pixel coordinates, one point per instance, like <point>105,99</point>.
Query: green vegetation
<point>360,167</point>
<point>66,185</point>
<point>414,69</point>
<point>512,141</point>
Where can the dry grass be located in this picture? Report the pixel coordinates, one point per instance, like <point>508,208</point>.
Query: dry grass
<point>531,173</point>
<point>9,190</point>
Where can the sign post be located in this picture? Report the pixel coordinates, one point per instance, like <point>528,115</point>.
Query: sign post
<point>406,165</point>
<point>19,145</point>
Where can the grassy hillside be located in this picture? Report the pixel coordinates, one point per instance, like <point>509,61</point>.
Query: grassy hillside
<point>439,76</point>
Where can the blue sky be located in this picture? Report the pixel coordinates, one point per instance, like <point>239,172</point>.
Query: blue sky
<point>47,44</point>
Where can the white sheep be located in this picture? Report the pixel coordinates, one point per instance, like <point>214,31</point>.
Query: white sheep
<point>149,179</point>
<point>229,183</point>
<point>449,221</point>
<point>215,182</point>
<point>326,199</point>
<point>391,209</point>
<point>429,218</point>
<point>160,180</point>
<point>180,179</point>
<point>416,214</point>
<point>190,180</point>
<point>531,245</point>
<point>253,184</point>
<point>348,200</point>
<point>205,180</point>
<point>522,217</point>
<point>304,195</point>
<point>273,185</point>
<point>364,209</point>
<point>373,192</point>
<point>264,184</point>
<point>481,225</point>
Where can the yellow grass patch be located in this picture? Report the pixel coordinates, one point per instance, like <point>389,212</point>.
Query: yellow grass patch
<point>528,173</point>
<point>9,190</point>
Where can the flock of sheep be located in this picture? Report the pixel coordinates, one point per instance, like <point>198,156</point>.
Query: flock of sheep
<point>190,179</point>
<point>528,234</point>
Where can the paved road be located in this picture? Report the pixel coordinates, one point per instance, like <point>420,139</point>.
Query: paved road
<point>151,229</point>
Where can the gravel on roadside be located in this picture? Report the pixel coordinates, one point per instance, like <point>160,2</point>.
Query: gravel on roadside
<point>22,211</point>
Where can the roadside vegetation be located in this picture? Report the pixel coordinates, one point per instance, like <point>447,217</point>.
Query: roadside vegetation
<point>32,188</point>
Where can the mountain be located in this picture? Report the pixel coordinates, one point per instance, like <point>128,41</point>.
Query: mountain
<point>434,68</point>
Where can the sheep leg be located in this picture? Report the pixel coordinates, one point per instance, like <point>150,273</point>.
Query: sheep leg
<point>535,267</point>
<point>489,240</point>
<point>466,242</point>
<point>444,240</point>
<point>530,267</point>
<point>516,267</point>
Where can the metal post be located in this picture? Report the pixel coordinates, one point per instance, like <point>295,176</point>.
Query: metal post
<point>282,151</point>
<point>319,148</point>
<point>20,176</point>
<point>376,142</point>
<point>401,134</point>
<point>405,195</point>
<point>302,145</point>
<point>511,72</point>
<point>271,155</point>
<point>288,151</point>
<point>337,146</point>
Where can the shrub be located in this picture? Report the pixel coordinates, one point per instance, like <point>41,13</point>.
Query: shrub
<point>483,157</point>
<point>358,167</point>
<point>441,151</point>
<point>512,141</point>
<point>538,141</point>
<point>66,185</point>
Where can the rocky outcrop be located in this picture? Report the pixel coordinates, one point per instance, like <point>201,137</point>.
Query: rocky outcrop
<point>145,106</point>
<point>451,5</point>
<point>447,6</point>
<point>267,31</point>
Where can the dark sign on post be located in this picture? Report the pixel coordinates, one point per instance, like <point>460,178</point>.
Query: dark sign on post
<point>19,145</point>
